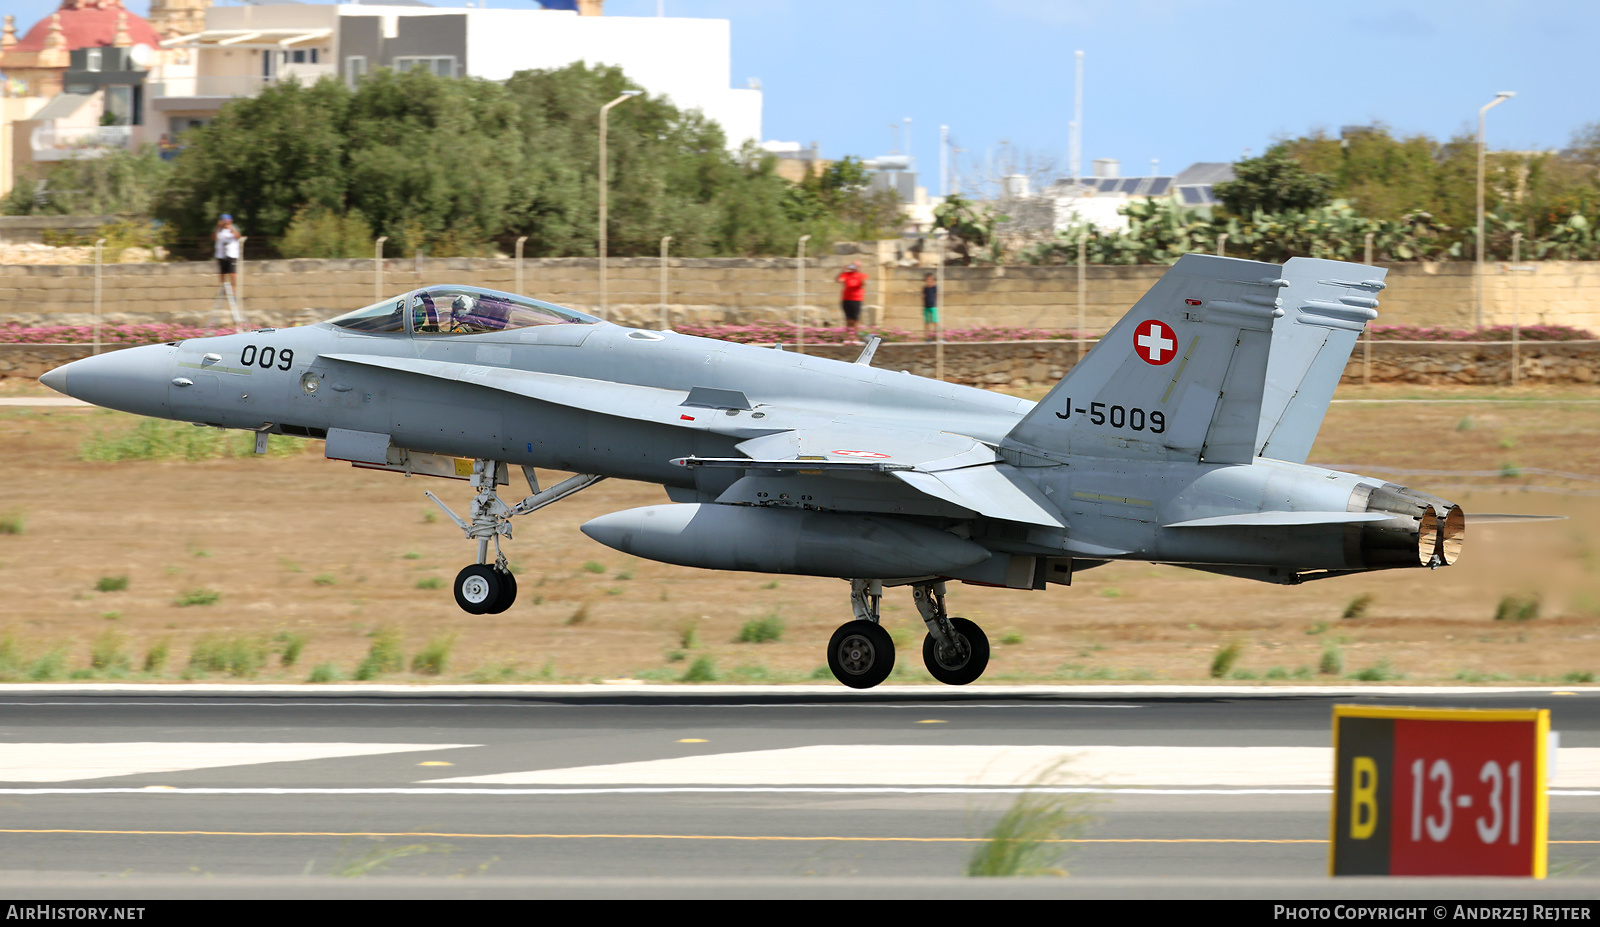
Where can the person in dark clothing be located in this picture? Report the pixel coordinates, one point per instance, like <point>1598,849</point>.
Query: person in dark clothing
<point>930,306</point>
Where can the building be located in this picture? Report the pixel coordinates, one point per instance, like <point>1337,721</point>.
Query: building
<point>244,48</point>
<point>1099,199</point>
<point>75,84</point>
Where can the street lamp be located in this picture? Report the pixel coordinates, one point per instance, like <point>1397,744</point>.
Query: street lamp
<point>604,112</point>
<point>1499,98</point>
<point>800,295</point>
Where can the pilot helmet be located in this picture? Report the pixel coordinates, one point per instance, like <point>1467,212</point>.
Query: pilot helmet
<point>461,306</point>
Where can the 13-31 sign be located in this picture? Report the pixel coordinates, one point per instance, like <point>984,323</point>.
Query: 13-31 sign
<point>1439,792</point>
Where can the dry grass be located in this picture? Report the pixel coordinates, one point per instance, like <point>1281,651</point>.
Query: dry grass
<point>277,529</point>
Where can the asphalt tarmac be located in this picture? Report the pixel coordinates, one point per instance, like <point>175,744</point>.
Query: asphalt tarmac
<point>721,792</point>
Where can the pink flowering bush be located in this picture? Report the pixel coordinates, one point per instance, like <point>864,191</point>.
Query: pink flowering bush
<point>13,333</point>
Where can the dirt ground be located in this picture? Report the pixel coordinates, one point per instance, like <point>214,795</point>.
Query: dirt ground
<point>302,546</point>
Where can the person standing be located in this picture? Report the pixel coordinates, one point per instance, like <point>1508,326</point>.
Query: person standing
<point>855,285</point>
<point>226,240</point>
<point>930,306</point>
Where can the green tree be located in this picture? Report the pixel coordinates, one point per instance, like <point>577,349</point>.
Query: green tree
<point>1273,183</point>
<point>125,182</point>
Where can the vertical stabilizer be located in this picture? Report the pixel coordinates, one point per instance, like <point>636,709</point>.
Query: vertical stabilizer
<point>1327,305</point>
<point>1179,377</point>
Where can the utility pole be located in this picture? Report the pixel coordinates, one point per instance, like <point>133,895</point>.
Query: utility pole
<point>1477,275</point>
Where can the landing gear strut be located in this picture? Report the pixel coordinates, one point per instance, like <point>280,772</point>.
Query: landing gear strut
<point>483,588</point>
<point>861,653</point>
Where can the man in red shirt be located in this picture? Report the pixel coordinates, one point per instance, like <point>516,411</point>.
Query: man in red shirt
<point>855,284</point>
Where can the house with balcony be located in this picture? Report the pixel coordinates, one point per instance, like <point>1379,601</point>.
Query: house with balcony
<point>245,48</point>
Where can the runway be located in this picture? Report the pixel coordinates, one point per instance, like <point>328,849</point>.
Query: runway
<point>606,792</point>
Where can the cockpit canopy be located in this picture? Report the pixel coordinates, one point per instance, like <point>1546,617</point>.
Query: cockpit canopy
<point>458,310</point>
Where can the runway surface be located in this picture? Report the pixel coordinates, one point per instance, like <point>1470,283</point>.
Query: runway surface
<point>301,791</point>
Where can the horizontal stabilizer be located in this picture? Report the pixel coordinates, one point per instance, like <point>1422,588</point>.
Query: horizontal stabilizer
<point>1281,519</point>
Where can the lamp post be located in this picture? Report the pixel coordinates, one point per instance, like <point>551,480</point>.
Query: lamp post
<point>800,295</point>
<point>604,112</point>
<point>1477,276</point>
<point>665,240</point>
<point>99,263</point>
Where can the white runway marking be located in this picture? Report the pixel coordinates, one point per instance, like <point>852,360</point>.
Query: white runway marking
<point>37,762</point>
<point>158,790</point>
<point>988,765</point>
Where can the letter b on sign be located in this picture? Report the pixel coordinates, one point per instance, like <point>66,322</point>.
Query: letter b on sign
<point>1363,798</point>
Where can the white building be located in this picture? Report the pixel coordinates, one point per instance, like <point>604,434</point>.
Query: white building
<point>244,48</point>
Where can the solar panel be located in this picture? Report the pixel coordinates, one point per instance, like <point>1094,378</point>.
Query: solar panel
<point>1131,184</point>
<point>1160,186</point>
<point>1192,196</point>
<point>1109,185</point>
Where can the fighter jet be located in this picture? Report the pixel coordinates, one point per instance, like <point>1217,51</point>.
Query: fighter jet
<point>1181,438</point>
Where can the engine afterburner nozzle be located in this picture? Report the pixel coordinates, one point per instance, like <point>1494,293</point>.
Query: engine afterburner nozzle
<point>1440,538</point>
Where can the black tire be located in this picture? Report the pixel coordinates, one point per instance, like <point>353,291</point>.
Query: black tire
<point>964,671</point>
<point>861,654</point>
<point>508,593</point>
<point>478,588</point>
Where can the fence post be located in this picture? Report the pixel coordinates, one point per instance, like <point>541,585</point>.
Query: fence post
<point>518,283</point>
<point>939,236</point>
<point>1083,296</point>
<point>1516,314</point>
<point>99,259</point>
<point>665,240</point>
<point>800,297</point>
<point>377,268</point>
<point>1366,332</point>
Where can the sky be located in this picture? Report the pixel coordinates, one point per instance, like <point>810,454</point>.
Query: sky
<point>1176,80</point>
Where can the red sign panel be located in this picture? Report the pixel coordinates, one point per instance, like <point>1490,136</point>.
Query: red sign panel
<point>1439,792</point>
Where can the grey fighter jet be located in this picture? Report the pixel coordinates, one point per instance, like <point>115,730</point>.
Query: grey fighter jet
<point>1181,438</point>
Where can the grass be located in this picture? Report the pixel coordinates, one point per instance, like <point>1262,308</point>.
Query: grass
<point>1332,662</point>
<point>1357,607</point>
<point>381,857</point>
<point>190,597</point>
<point>155,657</point>
<point>1317,628</point>
<point>111,584</point>
<point>12,523</point>
<point>594,566</point>
<point>1475,676</point>
<point>383,656</point>
<point>325,579</point>
<point>430,582</point>
<point>579,615</point>
<point>108,653</point>
<point>324,672</point>
<point>763,630</point>
<point>1578,676</point>
<point>238,656</point>
<point>1380,672</point>
<point>290,643</point>
<point>1011,638</point>
<point>689,636</point>
<point>703,669</point>
<point>158,439</point>
<point>1030,836</point>
<point>1517,608</point>
<point>434,655</point>
<point>1224,659</point>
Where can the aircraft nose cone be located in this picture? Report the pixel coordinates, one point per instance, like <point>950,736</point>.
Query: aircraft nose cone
<point>129,380</point>
<point>56,379</point>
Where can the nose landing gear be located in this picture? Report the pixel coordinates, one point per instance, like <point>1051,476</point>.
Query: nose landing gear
<point>483,588</point>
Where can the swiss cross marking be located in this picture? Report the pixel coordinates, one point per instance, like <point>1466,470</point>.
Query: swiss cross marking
<point>1155,342</point>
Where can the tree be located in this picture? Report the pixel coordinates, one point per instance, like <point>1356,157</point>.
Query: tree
<point>1273,183</point>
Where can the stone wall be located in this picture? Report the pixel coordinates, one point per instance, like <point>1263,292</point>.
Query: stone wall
<point>1020,364</point>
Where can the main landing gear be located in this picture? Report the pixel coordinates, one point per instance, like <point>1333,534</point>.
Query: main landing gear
<point>861,653</point>
<point>483,588</point>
